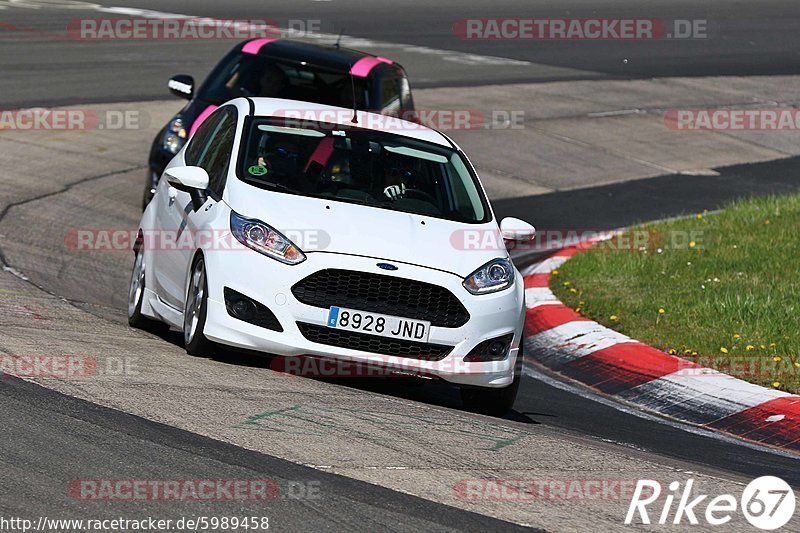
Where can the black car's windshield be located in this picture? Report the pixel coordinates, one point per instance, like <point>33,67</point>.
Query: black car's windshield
<point>363,166</point>
<point>255,75</point>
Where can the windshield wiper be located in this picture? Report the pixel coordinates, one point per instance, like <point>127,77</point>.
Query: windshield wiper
<point>270,184</point>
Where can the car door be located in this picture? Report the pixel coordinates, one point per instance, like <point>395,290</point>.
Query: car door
<point>181,224</point>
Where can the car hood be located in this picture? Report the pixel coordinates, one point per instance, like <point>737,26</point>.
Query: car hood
<point>320,225</point>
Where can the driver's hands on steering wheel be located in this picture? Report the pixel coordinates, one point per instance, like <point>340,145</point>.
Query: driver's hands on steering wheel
<point>393,192</point>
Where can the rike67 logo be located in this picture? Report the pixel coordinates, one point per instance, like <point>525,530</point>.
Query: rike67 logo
<point>767,502</point>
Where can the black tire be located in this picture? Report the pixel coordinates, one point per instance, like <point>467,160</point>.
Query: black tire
<point>491,401</point>
<point>135,296</point>
<point>195,311</point>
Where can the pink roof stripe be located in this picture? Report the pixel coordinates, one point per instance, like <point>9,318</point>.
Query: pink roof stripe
<point>363,66</point>
<point>255,45</point>
<point>200,118</point>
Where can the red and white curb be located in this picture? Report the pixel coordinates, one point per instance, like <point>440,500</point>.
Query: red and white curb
<point>559,338</point>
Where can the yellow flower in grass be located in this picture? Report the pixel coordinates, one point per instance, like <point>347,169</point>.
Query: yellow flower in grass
<point>723,349</point>
<point>797,365</point>
<point>566,283</point>
<point>736,336</point>
<point>749,347</point>
<point>613,318</point>
<point>573,290</point>
<point>776,384</point>
<point>694,353</point>
<point>762,347</point>
<point>687,352</point>
<point>692,244</point>
<point>577,309</point>
<point>661,311</point>
<point>766,222</point>
<point>699,215</point>
<point>777,358</point>
<point>554,273</point>
<point>671,351</point>
<point>772,345</point>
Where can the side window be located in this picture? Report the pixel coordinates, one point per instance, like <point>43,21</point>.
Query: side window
<point>395,92</point>
<point>212,152</point>
<point>390,94</point>
<point>406,101</point>
<point>217,154</point>
<point>200,138</point>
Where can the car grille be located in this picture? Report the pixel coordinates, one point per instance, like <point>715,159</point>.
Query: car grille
<point>373,344</point>
<point>387,295</point>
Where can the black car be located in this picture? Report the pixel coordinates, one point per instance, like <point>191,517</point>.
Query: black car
<point>282,69</point>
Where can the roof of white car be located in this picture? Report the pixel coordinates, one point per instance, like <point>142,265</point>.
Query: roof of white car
<point>311,112</point>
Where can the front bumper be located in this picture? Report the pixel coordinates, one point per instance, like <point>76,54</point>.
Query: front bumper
<point>269,282</point>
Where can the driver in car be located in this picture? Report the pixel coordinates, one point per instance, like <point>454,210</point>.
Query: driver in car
<point>271,81</point>
<point>398,178</point>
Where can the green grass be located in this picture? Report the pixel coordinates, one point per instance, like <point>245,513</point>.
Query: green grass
<point>727,282</point>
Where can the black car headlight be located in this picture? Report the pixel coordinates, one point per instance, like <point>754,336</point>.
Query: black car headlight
<point>174,136</point>
<point>496,275</point>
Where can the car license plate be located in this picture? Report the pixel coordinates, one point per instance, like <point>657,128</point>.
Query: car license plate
<point>395,327</point>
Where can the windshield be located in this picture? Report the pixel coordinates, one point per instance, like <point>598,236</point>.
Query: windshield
<point>254,75</point>
<point>362,166</point>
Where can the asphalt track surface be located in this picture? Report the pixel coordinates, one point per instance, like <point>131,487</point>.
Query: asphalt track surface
<point>744,38</point>
<point>756,38</point>
<point>33,415</point>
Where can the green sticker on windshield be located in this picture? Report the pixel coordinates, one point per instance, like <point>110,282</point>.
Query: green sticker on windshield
<point>258,170</point>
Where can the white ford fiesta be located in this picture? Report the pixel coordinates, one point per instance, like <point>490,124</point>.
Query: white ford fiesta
<point>300,229</point>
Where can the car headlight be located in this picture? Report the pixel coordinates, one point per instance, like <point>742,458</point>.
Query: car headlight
<point>174,136</point>
<point>496,275</point>
<point>265,239</point>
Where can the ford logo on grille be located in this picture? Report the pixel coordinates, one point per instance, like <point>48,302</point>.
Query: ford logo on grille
<point>386,266</point>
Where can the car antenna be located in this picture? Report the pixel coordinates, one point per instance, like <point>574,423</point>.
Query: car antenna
<point>336,44</point>
<point>354,120</point>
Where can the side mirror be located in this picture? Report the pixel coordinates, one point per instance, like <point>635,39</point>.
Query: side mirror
<point>193,180</point>
<point>181,85</point>
<point>516,230</point>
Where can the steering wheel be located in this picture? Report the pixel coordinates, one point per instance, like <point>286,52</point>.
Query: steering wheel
<point>422,195</point>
